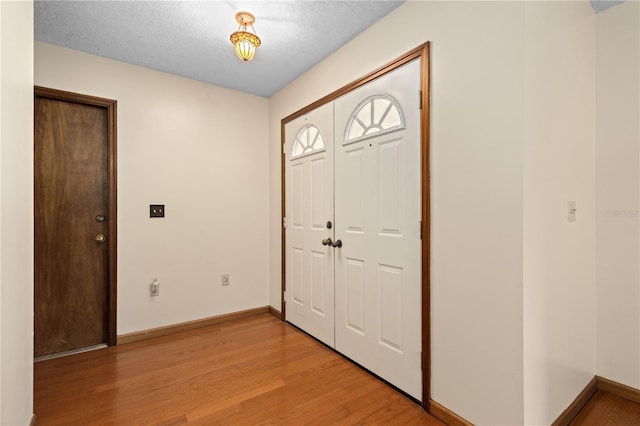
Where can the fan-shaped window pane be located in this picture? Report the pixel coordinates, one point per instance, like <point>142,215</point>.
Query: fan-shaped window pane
<point>308,140</point>
<point>355,131</point>
<point>377,114</point>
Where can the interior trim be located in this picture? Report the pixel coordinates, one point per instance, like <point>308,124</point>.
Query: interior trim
<point>112,195</point>
<point>189,325</point>
<point>418,52</point>
<point>273,311</point>
<point>596,384</point>
<point>425,134</point>
<point>421,52</point>
<point>618,389</point>
<point>445,415</point>
<point>283,241</point>
<point>578,404</point>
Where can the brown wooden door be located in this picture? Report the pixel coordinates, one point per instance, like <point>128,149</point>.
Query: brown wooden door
<point>72,286</point>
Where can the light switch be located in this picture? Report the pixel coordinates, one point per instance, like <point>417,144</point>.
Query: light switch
<point>571,211</point>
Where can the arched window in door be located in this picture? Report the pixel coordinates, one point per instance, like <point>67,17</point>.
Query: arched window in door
<point>308,140</point>
<point>376,115</point>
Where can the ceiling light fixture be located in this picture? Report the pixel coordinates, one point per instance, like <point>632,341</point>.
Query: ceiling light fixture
<point>244,40</point>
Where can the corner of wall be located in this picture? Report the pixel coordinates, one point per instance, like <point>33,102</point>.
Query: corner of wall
<point>559,279</point>
<point>16,212</point>
<point>1,37</point>
<point>618,193</point>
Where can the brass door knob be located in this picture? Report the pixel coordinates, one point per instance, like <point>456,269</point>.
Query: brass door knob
<point>100,238</point>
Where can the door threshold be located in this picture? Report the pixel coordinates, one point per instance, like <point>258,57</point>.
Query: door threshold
<point>69,352</point>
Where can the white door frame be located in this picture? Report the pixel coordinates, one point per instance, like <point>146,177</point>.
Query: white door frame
<point>421,52</point>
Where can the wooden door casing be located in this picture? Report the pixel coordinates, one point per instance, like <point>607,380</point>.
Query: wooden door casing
<point>74,177</point>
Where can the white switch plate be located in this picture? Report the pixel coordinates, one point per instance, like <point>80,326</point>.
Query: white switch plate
<point>225,279</point>
<point>571,211</point>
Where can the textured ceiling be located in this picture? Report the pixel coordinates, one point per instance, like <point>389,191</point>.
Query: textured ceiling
<point>600,5</point>
<point>191,38</point>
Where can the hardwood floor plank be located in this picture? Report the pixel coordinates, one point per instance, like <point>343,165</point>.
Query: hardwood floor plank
<point>608,409</point>
<point>251,371</point>
<point>246,372</point>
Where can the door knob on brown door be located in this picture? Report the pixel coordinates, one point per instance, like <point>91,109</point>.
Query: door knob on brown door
<point>100,238</point>
<point>337,243</point>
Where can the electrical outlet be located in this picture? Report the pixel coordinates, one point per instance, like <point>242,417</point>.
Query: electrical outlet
<point>154,288</point>
<point>156,210</point>
<point>225,279</point>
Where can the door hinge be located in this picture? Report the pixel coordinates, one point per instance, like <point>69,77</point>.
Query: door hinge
<point>284,222</point>
<point>284,296</point>
<point>420,227</point>
<point>419,99</point>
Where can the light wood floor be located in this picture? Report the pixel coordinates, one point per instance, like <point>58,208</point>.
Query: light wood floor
<point>607,409</point>
<point>252,371</point>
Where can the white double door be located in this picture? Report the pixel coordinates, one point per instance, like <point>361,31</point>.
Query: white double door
<point>353,244</point>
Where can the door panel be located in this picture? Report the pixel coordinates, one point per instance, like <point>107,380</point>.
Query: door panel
<point>378,213</point>
<point>362,298</point>
<point>318,197</point>
<point>309,182</point>
<point>390,310</point>
<point>70,190</point>
<point>389,188</point>
<point>297,279</point>
<point>354,209</point>
<point>354,295</point>
<point>319,281</point>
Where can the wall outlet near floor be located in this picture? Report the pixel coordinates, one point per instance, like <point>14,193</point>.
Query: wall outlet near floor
<point>154,288</point>
<point>156,210</point>
<point>225,279</point>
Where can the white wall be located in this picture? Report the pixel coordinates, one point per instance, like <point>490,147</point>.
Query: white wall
<point>559,165</point>
<point>16,212</point>
<point>477,150</point>
<point>200,150</point>
<point>1,85</point>
<point>618,193</point>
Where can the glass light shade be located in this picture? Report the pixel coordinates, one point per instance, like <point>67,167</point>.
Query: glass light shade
<point>245,44</point>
